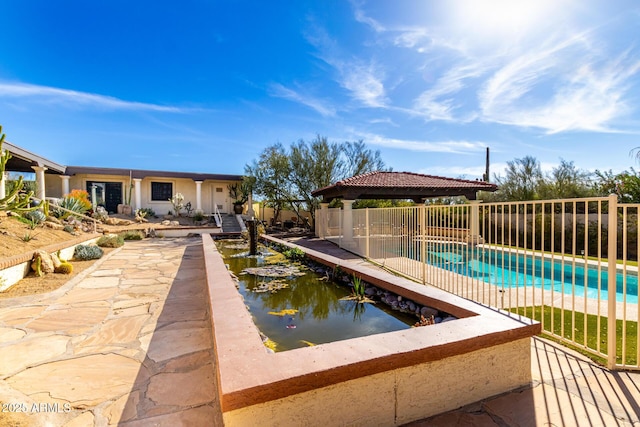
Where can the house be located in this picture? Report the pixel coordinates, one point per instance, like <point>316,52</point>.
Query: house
<point>112,187</point>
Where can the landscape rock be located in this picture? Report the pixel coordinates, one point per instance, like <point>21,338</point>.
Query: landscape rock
<point>428,312</point>
<point>53,225</point>
<point>46,263</point>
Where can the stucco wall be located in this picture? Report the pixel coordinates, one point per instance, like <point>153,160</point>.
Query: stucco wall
<point>400,396</point>
<point>211,190</point>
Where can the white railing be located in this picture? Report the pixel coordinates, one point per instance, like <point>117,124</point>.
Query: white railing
<point>216,216</point>
<point>551,260</point>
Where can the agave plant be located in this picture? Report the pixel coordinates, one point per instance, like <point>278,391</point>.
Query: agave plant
<point>71,204</point>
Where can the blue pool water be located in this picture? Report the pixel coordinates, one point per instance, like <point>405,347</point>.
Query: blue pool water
<point>515,270</point>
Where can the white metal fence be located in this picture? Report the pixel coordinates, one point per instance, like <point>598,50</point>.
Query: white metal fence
<point>570,264</point>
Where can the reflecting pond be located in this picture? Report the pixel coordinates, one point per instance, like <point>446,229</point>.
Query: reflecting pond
<point>304,307</point>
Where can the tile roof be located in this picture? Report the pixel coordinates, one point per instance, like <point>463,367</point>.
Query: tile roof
<point>402,185</point>
<point>408,179</point>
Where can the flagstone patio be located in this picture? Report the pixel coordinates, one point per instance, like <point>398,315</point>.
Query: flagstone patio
<point>129,343</point>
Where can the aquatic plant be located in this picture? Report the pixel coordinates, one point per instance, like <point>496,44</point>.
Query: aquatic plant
<point>294,254</point>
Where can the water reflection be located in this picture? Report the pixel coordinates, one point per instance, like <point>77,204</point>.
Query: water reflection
<point>321,317</point>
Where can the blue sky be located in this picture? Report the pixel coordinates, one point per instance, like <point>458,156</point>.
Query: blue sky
<point>205,86</point>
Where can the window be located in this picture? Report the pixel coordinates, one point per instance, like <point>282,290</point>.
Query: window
<point>218,190</point>
<point>161,191</point>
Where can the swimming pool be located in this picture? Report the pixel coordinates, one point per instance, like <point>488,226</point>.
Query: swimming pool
<point>512,270</point>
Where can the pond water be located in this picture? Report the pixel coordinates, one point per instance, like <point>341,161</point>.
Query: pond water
<point>305,308</point>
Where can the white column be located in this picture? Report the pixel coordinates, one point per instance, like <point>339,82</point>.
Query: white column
<point>137,193</point>
<point>3,184</point>
<point>40,184</point>
<point>65,184</point>
<point>474,222</point>
<point>198,196</point>
<point>322,221</point>
<point>347,222</point>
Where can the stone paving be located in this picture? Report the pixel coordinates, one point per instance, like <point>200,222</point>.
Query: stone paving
<point>126,343</point>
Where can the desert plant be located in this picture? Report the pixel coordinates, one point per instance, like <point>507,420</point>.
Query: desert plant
<point>16,200</point>
<point>64,268</point>
<point>148,212</point>
<point>73,204</point>
<point>87,252</point>
<point>198,216</point>
<point>131,235</point>
<point>110,241</point>
<point>69,229</point>
<point>28,236</point>
<point>176,202</point>
<point>37,217</point>
<point>82,196</point>
<point>100,214</point>
<point>188,208</point>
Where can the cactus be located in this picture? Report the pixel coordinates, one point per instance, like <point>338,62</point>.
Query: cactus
<point>87,252</point>
<point>64,268</point>
<point>38,267</point>
<point>15,201</point>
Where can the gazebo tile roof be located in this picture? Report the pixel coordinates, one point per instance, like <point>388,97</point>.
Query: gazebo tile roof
<point>402,185</point>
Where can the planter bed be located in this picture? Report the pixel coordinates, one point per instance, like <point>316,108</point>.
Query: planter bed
<point>15,268</point>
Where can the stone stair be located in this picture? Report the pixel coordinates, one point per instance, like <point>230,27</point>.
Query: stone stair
<point>230,224</point>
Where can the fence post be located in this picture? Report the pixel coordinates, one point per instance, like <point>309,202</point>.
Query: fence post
<point>422,239</point>
<point>612,254</point>
<point>366,232</point>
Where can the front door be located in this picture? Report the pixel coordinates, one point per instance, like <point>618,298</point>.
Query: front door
<point>219,198</point>
<point>108,194</point>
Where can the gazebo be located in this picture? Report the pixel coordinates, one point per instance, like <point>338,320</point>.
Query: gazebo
<point>395,185</point>
<point>401,185</point>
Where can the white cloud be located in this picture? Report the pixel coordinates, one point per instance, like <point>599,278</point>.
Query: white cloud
<point>62,97</point>
<point>583,91</point>
<point>364,82</point>
<point>321,107</point>
<point>362,79</point>
<point>457,147</point>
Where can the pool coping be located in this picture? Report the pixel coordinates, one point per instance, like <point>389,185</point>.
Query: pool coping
<point>250,375</point>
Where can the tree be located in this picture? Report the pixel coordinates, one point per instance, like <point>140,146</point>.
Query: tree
<point>312,166</point>
<point>522,180</point>
<point>286,179</point>
<point>626,185</point>
<point>270,175</point>
<point>566,181</point>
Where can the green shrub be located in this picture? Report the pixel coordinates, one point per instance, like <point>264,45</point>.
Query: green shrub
<point>111,241</point>
<point>294,254</point>
<point>68,229</point>
<point>131,235</point>
<point>149,213</point>
<point>87,252</point>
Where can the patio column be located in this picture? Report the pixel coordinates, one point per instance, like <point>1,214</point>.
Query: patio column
<point>321,221</point>
<point>3,183</point>
<point>474,222</point>
<point>40,185</point>
<point>198,196</point>
<point>138,193</point>
<point>347,222</point>
<point>65,184</point>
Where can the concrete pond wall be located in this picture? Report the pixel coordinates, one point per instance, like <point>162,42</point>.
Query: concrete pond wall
<point>384,379</point>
